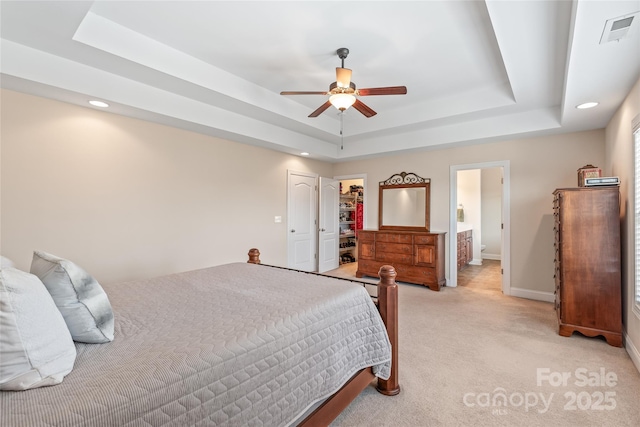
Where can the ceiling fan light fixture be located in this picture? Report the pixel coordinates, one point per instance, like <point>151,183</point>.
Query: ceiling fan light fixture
<point>343,77</point>
<point>342,101</point>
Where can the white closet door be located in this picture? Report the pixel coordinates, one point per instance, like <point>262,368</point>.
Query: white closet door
<point>328,234</point>
<point>301,221</point>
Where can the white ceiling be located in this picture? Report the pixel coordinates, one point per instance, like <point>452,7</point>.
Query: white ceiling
<point>475,71</point>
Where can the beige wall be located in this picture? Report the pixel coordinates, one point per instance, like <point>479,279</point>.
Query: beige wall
<point>127,199</point>
<point>491,212</point>
<point>538,166</point>
<point>469,195</point>
<point>619,151</point>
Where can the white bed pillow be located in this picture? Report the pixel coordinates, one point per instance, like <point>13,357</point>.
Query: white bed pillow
<point>79,297</point>
<point>6,262</point>
<point>36,348</point>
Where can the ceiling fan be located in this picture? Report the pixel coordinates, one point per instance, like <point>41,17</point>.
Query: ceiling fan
<point>343,93</point>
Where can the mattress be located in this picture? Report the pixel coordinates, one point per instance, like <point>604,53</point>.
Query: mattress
<point>237,344</point>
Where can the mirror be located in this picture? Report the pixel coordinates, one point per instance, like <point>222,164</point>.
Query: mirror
<point>404,203</point>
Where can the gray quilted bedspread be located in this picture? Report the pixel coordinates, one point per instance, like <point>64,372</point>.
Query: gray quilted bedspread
<point>238,344</point>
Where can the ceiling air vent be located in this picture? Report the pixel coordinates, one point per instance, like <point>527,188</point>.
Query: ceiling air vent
<point>619,28</point>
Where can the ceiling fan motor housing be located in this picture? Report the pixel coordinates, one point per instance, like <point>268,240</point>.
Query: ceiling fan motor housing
<point>334,88</point>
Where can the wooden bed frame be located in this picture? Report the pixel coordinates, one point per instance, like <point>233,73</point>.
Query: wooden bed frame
<point>387,303</point>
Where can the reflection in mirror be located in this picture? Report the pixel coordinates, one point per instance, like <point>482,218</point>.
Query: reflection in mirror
<point>404,203</point>
<point>404,206</point>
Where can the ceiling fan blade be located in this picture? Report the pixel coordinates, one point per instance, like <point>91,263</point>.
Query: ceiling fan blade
<point>320,109</point>
<point>302,93</point>
<point>343,77</point>
<point>391,90</point>
<point>360,106</point>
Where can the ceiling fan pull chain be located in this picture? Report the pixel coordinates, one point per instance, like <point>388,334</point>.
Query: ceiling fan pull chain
<point>341,128</point>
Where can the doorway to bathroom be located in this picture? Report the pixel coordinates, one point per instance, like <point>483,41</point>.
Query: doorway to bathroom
<point>479,226</point>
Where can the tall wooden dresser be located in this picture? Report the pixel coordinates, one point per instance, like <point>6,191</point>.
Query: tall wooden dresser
<point>417,256</point>
<point>587,262</point>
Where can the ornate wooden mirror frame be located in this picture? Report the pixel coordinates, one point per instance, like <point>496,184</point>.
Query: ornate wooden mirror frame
<point>404,203</point>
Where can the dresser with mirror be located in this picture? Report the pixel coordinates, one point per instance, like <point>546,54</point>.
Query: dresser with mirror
<point>403,238</point>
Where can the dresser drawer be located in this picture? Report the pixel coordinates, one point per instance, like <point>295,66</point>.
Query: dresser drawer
<point>367,236</point>
<point>427,275</point>
<point>393,258</point>
<point>397,248</point>
<point>393,238</point>
<point>421,275</point>
<point>424,240</point>
<point>368,268</point>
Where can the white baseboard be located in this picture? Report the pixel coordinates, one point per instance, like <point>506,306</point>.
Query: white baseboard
<point>491,256</point>
<point>634,354</point>
<point>475,262</point>
<point>534,295</point>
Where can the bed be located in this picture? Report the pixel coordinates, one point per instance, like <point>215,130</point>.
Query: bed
<point>236,344</point>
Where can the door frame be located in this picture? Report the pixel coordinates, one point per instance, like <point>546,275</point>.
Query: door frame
<point>506,220</point>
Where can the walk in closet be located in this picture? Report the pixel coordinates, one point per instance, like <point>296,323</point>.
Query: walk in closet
<point>351,218</point>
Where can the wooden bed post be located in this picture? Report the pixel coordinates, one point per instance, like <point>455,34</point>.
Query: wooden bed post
<point>388,306</point>
<point>254,256</point>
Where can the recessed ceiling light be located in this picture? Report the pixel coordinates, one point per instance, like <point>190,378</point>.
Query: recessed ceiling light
<point>587,105</point>
<point>304,153</point>
<point>99,104</point>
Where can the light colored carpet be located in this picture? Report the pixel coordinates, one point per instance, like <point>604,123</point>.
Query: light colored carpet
<point>462,347</point>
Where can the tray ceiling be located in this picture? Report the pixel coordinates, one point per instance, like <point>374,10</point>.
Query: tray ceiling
<point>476,71</point>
